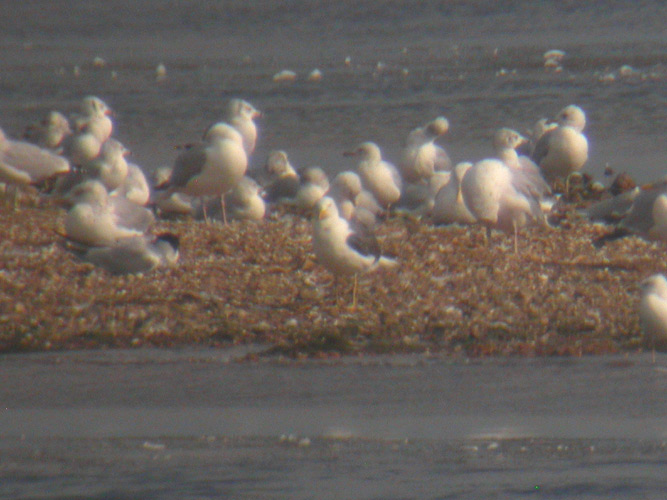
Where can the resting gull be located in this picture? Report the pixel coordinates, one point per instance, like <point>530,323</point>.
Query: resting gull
<point>421,157</point>
<point>283,183</point>
<point>646,218</point>
<point>49,132</point>
<point>241,115</point>
<point>449,207</point>
<point>133,255</point>
<point>23,164</point>
<point>378,176</point>
<point>97,219</point>
<point>242,202</point>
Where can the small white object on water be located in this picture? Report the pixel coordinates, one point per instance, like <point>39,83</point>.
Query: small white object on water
<point>348,61</point>
<point>99,62</point>
<point>76,71</point>
<point>153,446</point>
<point>160,72</point>
<point>315,76</point>
<point>626,71</point>
<point>114,75</point>
<point>284,76</point>
<point>555,54</point>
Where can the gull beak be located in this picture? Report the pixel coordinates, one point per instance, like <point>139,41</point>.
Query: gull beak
<point>349,153</point>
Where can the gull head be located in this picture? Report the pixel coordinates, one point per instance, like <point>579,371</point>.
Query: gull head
<point>238,108</point>
<point>366,151</point>
<point>326,208</point>
<point>506,138</point>
<point>278,163</point>
<point>438,127</point>
<point>571,116</point>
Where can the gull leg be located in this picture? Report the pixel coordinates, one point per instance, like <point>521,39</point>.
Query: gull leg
<point>224,212</point>
<point>354,292</point>
<point>488,236</point>
<point>203,208</point>
<point>516,238</point>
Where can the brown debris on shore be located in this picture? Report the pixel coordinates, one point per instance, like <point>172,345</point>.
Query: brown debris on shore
<point>259,283</point>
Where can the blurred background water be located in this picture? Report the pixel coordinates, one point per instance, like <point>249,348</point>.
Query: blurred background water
<point>479,63</point>
<point>174,424</point>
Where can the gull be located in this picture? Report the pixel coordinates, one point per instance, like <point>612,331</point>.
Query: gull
<point>24,164</point>
<point>135,186</point>
<point>421,157</point>
<point>110,166</point>
<point>653,310</point>
<point>563,150</point>
<point>241,114</point>
<point>449,207</point>
<point>49,132</point>
<point>92,127</point>
<point>313,185</point>
<point>95,117</point>
<point>169,203</point>
<point>133,255</point>
<point>612,209</point>
<point>342,248</point>
<point>242,202</point>
<point>541,127</point>
<point>283,182</point>
<point>97,219</point>
<point>350,197</point>
<point>501,194</point>
<point>418,198</point>
<point>211,168</point>
<point>378,176</point>
<point>646,218</point>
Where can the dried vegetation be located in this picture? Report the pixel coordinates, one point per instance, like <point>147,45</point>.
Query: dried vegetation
<point>259,283</point>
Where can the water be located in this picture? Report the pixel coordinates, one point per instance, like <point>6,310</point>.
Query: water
<point>452,53</point>
<point>196,424</point>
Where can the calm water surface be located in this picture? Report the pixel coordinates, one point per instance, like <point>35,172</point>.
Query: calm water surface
<point>453,53</point>
<point>164,424</point>
<point>196,424</point>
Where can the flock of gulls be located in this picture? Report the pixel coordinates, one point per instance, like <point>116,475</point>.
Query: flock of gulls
<point>111,203</point>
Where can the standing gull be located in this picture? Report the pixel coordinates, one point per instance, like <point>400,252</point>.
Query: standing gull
<point>378,176</point>
<point>211,168</point>
<point>344,249</point>
<point>500,194</point>
<point>563,150</point>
